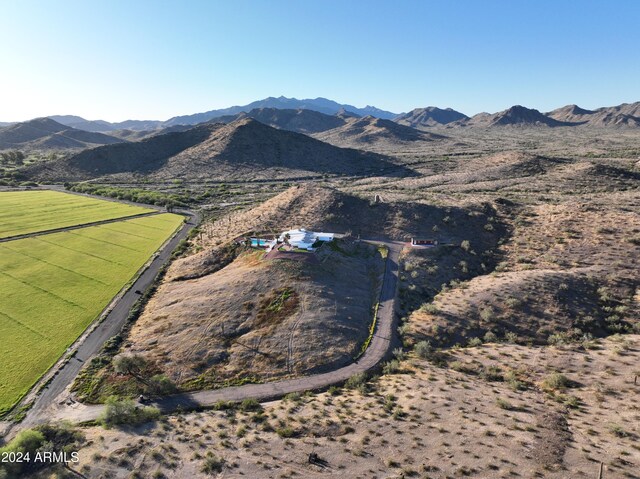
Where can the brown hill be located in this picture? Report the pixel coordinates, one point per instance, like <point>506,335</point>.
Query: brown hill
<point>142,157</point>
<point>613,118</point>
<point>327,209</point>
<point>244,149</point>
<point>429,117</point>
<point>137,135</point>
<point>515,116</point>
<point>45,133</point>
<point>570,113</point>
<point>373,132</point>
<point>627,114</point>
<point>261,318</point>
<point>632,109</point>
<point>182,328</point>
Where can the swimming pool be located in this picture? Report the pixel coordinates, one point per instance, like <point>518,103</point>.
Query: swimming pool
<point>259,242</point>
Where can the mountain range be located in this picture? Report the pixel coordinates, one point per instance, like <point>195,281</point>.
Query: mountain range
<point>515,116</point>
<point>244,148</point>
<point>45,133</point>
<point>345,129</point>
<point>624,115</point>
<point>429,116</point>
<point>627,114</point>
<point>345,125</point>
<point>322,105</point>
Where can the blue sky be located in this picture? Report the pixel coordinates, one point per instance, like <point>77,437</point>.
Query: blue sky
<point>142,59</point>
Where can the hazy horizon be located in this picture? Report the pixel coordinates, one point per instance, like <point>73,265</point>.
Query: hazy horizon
<point>156,60</point>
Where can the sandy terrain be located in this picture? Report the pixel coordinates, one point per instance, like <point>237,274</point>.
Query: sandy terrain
<point>490,413</point>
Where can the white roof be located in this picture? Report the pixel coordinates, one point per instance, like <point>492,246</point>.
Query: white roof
<point>303,238</point>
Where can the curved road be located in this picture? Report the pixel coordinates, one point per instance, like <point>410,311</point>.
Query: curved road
<point>49,398</point>
<point>48,409</point>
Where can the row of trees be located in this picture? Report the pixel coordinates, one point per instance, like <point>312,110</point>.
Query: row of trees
<point>139,195</point>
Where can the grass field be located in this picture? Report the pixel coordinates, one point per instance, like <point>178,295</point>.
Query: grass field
<point>53,286</point>
<point>23,212</point>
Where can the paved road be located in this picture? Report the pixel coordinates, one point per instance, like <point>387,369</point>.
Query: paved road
<point>381,345</point>
<point>109,327</point>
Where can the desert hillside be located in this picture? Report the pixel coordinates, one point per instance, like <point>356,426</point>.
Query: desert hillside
<point>429,116</point>
<point>374,133</point>
<point>300,121</point>
<point>47,134</point>
<point>328,209</point>
<point>515,116</point>
<point>496,410</point>
<point>243,149</point>
<point>625,115</point>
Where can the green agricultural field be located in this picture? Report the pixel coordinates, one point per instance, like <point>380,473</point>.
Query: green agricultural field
<point>54,285</point>
<point>23,212</point>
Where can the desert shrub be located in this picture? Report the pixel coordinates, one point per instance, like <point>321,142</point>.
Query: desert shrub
<point>356,381</point>
<point>133,365</point>
<point>571,402</point>
<point>293,397</point>
<point>492,373</point>
<point>555,381</point>
<point>462,367</point>
<point>618,431</point>
<point>391,367</point>
<point>399,413</point>
<point>399,354</point>
<point>334,391</point>
<point>286,432</point>
<point>41,439</point>
<point>604,294</point>
<point>423,349</point>
<point>475,342</point>
<point>212,464</point>
<point>429,308</point>
<point>487,314</point>
<point>511,337</point>
<point>161,385</point>
<point>126,411</point>
<point>26,442</point>
<point>513,302</point>
<point>250,405</point>
<point>504,404</point>
<point>514,383</point>
<point>223,405</point>
<point>556,339</point>
<point>403,329</point>
<point>490,337</point>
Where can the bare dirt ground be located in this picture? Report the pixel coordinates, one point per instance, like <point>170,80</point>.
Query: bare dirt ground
<point>264,318</point>
<point>254,320</point>
<point>567,270</point>
<point>494,411</point>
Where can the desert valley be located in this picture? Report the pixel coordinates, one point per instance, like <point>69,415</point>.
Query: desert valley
<point>298,288</point>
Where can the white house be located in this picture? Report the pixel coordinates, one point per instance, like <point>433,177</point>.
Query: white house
<point>304,239</point>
